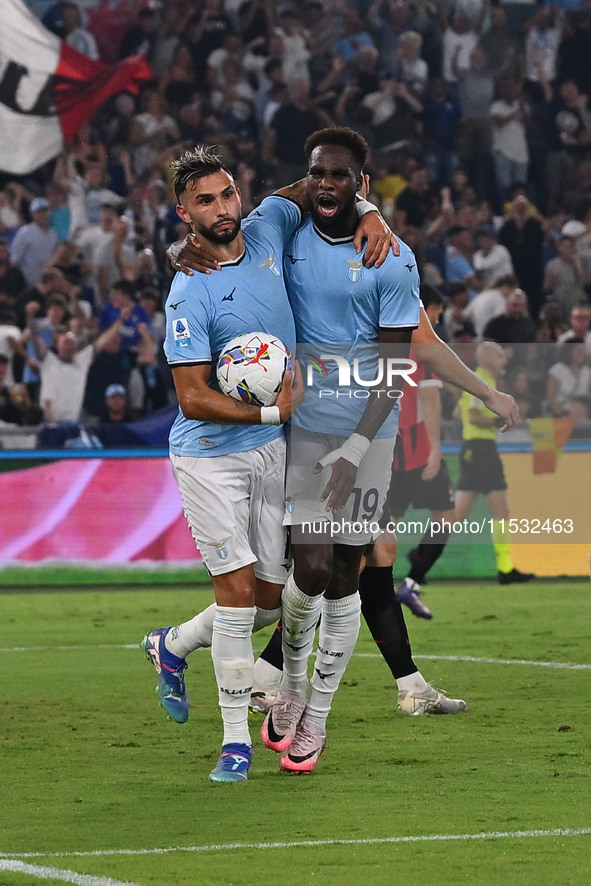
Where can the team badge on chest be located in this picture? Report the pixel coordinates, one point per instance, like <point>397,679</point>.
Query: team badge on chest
<point>354,269</point>
<point>271,264</point>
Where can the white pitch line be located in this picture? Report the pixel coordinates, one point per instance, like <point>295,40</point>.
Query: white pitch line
<point>561,665</point>
<point>567,665</point>
<point>77,648</point>
<point>45,873</point>
<point>296,844</point>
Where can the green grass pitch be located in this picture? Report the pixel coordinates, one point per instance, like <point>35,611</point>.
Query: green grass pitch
<point>95,780</point>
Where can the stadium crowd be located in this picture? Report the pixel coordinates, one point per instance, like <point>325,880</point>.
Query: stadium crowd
<point>479,125</point>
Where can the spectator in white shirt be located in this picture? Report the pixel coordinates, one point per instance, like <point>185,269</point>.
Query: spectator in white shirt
<point>565,277</point>
<point>459,42</point>
<point>491,260</point>
<point>509,115</point>
<point>569,379</point>
<point>544,33</point>
<point>102,246</point>
<point>64,372</point>
<point>86,194</point>
<point>151,132</point>
<point>234,49</point>
<point>9,332</point>
<point>490,303</point>
<point>295,50</point>
<point>579,326</point>
<point>411,69</point>
<point>581,235</point>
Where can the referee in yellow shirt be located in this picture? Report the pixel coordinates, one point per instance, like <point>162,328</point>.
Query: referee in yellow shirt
<point>481,468</point>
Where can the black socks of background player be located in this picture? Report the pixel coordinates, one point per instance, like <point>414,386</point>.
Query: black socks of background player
<point>385,620</point>
<point>273,653</point>
<point>425,556</point>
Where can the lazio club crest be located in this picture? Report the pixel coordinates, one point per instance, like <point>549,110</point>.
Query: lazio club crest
<point>222,552</point>
<point>354,269</point>
<point>271,264</point>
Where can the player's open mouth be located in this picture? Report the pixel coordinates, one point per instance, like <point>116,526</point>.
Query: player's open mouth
<point>327,206</point>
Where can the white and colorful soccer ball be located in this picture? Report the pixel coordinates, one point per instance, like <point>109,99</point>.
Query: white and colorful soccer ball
<point>251,368</point>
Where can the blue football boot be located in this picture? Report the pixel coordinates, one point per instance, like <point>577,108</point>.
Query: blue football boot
<point>171,682</point>
<point>233,764</point>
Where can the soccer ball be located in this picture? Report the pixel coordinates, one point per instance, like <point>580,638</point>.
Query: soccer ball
<point>251,368</point>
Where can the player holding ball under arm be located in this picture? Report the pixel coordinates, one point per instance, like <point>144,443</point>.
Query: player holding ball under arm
<point>228,457</point>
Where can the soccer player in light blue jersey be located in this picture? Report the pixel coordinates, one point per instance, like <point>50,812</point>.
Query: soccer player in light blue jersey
<point>349,308</point>
<point>227,456</point>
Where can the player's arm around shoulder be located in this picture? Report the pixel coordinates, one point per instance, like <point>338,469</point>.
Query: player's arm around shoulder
<point>296,193</point>
<point>191,254</point>
<point>373,231</point>
<point>283,215</point>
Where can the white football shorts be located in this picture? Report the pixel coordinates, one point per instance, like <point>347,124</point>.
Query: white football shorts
<point>234,507</point>
<point>357,523</point>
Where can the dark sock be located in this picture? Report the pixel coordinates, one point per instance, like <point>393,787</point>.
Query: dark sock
<point>272,651</point>
<point>383,614</point>
<point>426,555</point>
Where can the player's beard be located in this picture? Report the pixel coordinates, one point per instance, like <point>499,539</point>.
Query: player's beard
<point>220,237</point>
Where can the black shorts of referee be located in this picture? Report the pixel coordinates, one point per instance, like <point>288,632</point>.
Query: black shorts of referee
<point>481,468</point>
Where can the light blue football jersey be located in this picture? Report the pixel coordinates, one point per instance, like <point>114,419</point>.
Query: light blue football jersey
<point>204,312</point>
<point>337,301</point>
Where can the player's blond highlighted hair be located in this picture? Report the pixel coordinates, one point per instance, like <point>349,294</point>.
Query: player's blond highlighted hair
<point>201,161</point>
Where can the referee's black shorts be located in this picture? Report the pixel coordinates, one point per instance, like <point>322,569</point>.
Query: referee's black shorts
<point>481,468</point>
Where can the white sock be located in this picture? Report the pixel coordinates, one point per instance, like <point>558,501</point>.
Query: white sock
<point>411,683</point>
<point>196,633</point>
<point>267,678</point>
<point>233,662</point>
<point>265,617</point>
<point>192,634</point>
<point>300,617</point>
<point>339,628</point>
